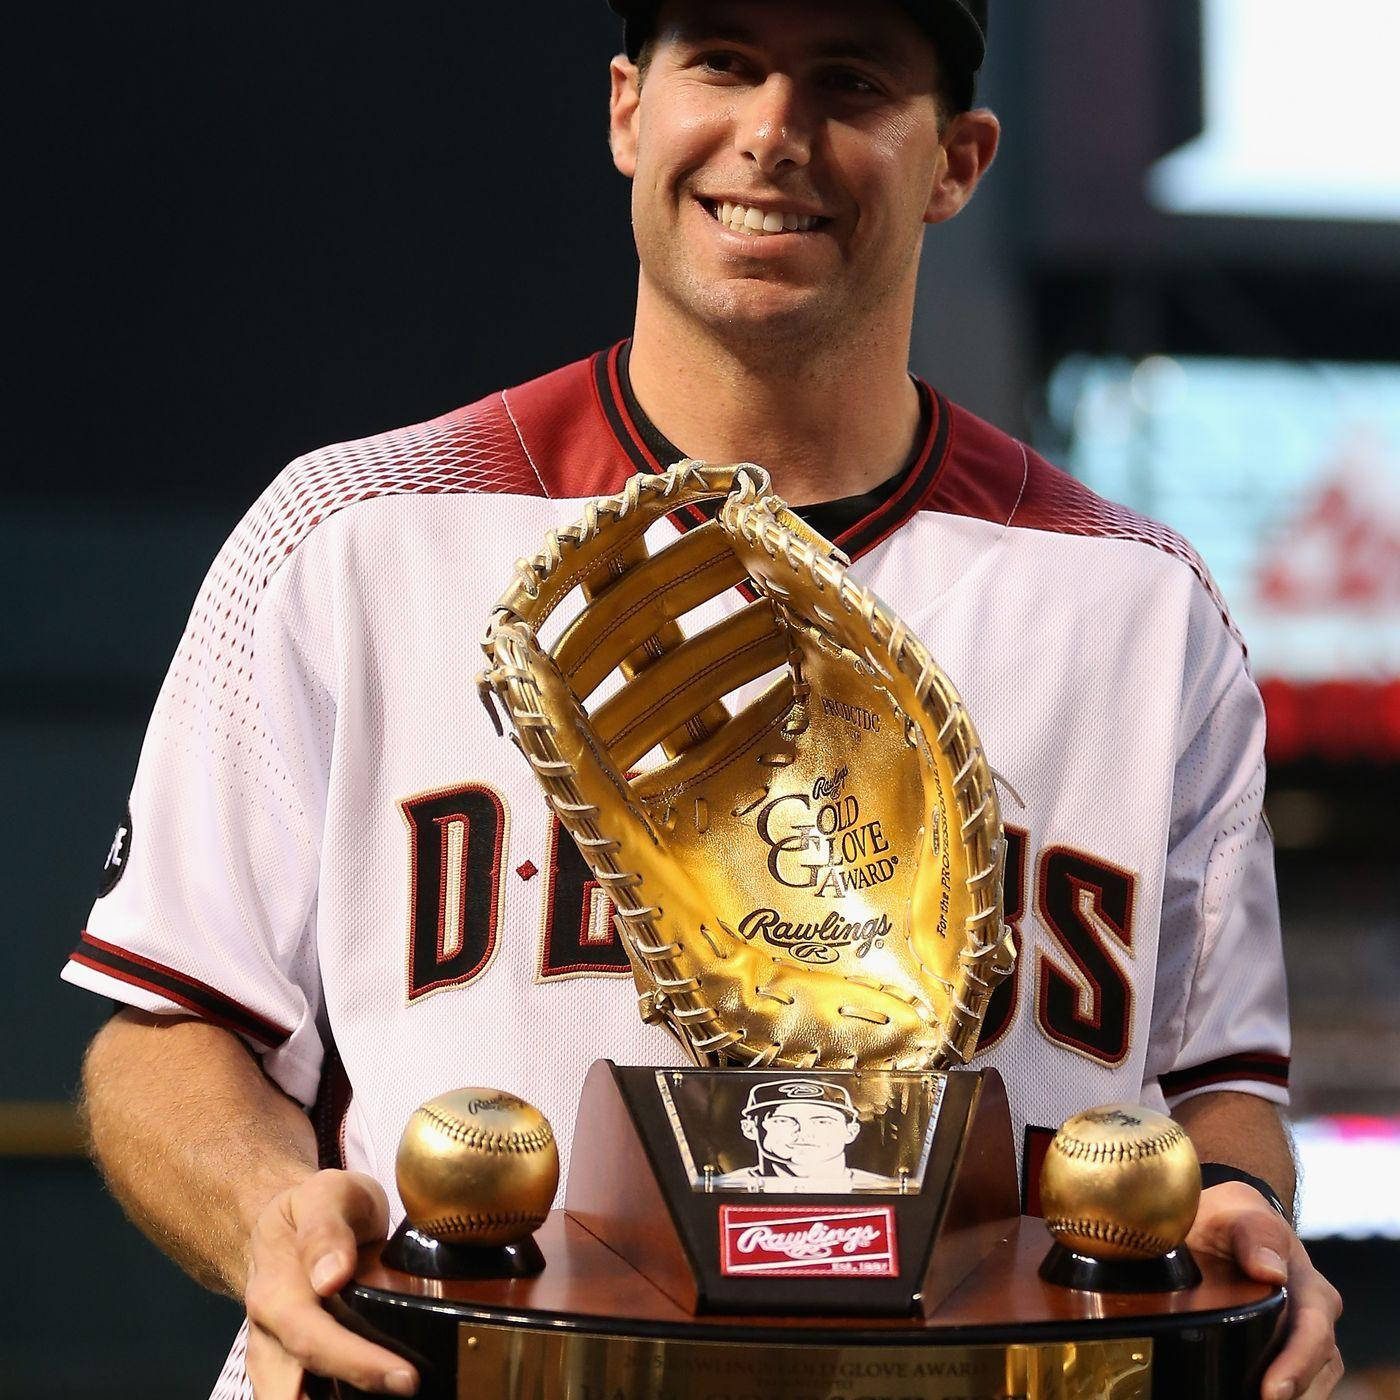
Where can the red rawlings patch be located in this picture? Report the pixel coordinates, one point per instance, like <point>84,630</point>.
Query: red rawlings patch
<point>833,1241</point>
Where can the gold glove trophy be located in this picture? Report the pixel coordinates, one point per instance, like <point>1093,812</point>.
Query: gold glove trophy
<point>807,878</point>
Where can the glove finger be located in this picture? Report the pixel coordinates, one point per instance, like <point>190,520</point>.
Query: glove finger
<point>684,683</point>
<point>640,603</point>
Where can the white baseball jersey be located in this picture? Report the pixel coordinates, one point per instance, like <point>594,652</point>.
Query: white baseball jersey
<point>329,850</point>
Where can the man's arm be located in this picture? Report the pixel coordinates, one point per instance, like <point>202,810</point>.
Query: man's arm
<point>1244,1131</point>
<point>218,1167</point>
<point>1237,1222</point>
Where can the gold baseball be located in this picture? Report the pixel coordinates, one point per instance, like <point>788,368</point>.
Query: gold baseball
<point>1120,1182</point>
<point>477,1166</point>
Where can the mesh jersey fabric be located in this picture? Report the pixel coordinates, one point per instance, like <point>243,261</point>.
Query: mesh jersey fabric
<point>334,856</point>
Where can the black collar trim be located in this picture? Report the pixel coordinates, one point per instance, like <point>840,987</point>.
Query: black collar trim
<point>609,371</point>
<point>862,521</point>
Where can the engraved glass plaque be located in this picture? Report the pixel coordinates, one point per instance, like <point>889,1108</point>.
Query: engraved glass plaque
<point>837,1132</point>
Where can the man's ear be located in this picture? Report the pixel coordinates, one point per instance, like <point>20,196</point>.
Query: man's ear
<point>622,114</point>
<point>749,1129</point>
<point>969,147</point>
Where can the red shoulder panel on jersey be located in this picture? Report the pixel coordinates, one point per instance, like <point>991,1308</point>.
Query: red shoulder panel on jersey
<point>1259,1066</point>
<point>472,449</point>
<point>475,449</point>
<point>205,1001</point>
<point>548,437</point>
<point>993,476</point>
<point>575,437</point>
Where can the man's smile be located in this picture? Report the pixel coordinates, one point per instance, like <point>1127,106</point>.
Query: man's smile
<point>758,221</point>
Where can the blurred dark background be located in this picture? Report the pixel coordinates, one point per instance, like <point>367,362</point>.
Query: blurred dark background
<point>241,232</point>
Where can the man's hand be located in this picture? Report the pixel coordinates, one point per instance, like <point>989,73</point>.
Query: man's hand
<point>302,1250</point>
<point>1235,1222</point>
<point>234,1195</point>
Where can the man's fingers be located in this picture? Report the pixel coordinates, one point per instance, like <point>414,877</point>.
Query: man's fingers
<point>314,1342</point>
<point>273,1374</point>
<point>313,1230</point>
<point>1309,1363</point>
<point>1300,1363</point>
<point>1327,1379</point>
<point>332,1214</point>
<point>1262,1244</point>
<point>1235,1222</point>
<point>293,1332</point>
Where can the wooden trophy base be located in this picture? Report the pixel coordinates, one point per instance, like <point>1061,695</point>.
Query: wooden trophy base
<point>590,1327</point>
<point>676,1273</point>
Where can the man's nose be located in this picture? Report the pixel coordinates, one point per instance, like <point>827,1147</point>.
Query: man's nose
<point>774,127</point>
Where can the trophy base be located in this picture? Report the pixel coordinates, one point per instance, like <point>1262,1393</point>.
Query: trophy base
<point>590,1327</point>
<point>1168,1274</point>
<point>410,1251</point>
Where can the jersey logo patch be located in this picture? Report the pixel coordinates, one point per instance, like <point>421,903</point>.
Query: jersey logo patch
<point>118,854</point>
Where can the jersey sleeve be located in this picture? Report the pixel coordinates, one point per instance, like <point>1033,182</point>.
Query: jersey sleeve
<point>209,891</point>
<point>1220,1017</point>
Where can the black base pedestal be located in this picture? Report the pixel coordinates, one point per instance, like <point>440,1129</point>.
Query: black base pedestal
<point>590,1325</point>
<point>413,1252</point>
<point>1165,1275</point>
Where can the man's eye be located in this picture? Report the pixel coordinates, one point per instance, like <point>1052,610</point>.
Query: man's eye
<point>851,81</point>
<point>722,63</point>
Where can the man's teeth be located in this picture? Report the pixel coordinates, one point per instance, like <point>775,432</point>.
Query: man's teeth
<point>743,219</point>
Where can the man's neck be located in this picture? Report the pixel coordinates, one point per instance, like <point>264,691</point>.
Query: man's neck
<point>825,423</point>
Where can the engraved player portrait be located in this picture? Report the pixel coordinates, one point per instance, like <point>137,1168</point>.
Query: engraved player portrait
<point>801,1128</point>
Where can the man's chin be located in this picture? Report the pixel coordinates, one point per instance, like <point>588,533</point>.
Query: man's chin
<point>757,317</point>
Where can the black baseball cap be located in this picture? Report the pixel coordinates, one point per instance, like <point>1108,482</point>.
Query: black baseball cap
<point>776,1092</point>
<point>958,29</point>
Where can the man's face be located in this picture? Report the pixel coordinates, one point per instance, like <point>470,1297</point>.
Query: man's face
<point>820,115</point>
<point>807,1137</point>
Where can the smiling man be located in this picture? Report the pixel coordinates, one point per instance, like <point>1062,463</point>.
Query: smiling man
<point>338,894</point>
<point>779,265</point>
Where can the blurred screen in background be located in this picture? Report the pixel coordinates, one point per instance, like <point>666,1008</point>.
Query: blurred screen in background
<point>1270,70</point>
<point>1350,1164</point>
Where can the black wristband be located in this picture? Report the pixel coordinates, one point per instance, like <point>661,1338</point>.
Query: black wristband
<point>1217,1173</point>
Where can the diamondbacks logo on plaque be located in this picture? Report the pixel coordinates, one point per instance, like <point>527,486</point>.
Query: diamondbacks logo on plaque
<point>827,1242</point>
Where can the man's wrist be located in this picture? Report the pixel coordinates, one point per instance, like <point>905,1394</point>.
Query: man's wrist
<point>1217,1173</point>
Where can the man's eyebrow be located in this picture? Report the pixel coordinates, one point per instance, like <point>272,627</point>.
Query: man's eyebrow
<point>883,55</point>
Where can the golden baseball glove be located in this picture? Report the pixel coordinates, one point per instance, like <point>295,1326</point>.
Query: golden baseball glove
<point>811,881</point>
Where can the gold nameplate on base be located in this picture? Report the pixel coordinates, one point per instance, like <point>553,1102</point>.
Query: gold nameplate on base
<point>530,1363</point>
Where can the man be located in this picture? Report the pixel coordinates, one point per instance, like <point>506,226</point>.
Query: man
<point>331,861</point>
<point>802,1129</point>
